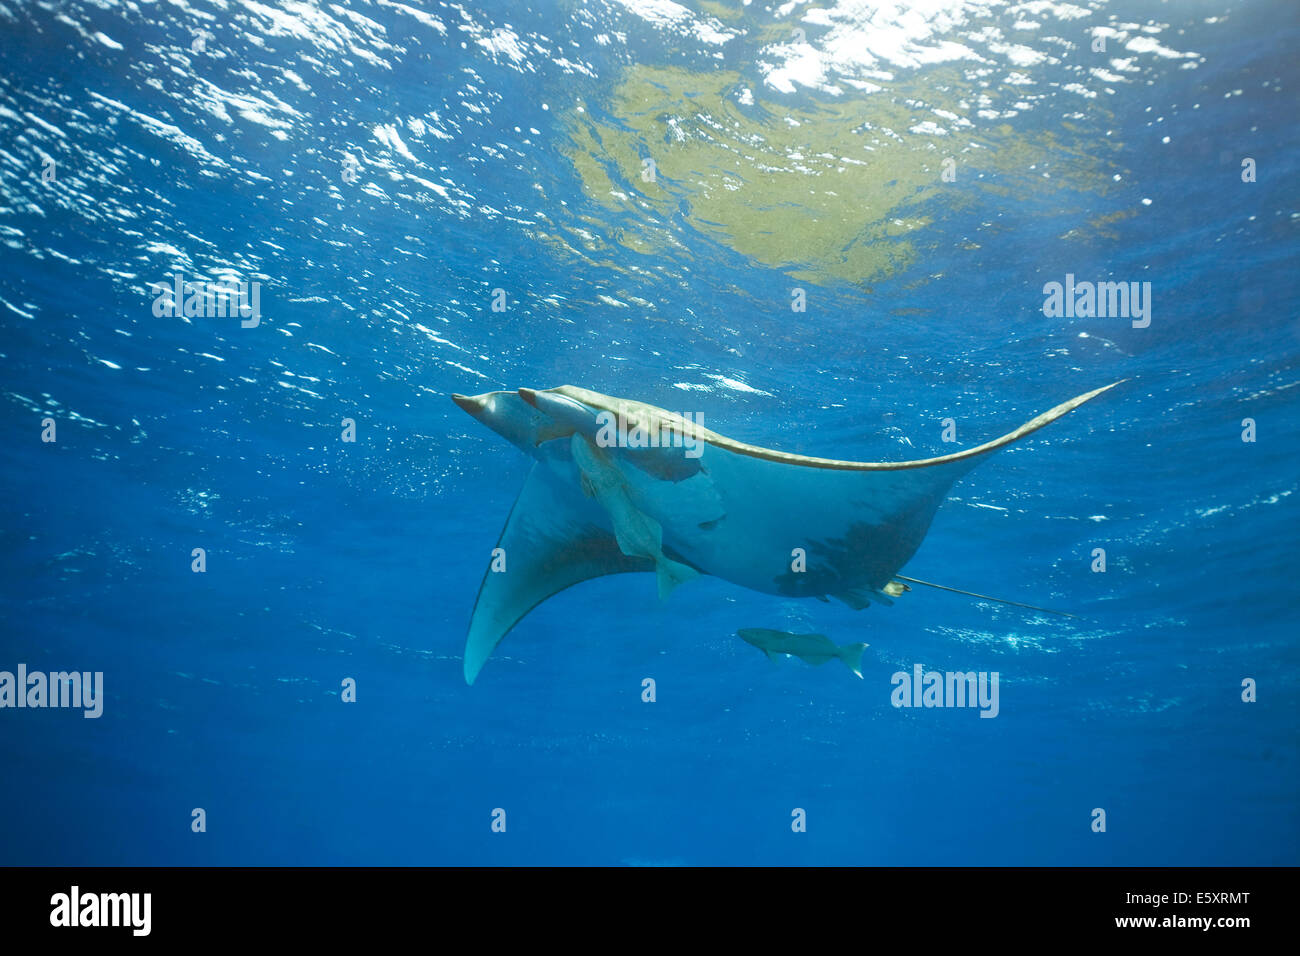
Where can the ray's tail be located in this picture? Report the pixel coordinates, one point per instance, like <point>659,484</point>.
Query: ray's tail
<point>985,597</point>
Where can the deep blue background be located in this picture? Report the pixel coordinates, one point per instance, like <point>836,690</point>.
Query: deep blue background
<point>328,560</point>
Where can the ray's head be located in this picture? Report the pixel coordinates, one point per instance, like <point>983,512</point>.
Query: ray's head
<point>526,417</point>
<point>505,413</point>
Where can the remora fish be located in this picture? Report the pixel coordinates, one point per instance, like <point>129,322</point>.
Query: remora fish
<point>813,648</point>
<point>775,522</point>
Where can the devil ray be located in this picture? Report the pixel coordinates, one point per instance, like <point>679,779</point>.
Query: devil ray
<point>775,522</point>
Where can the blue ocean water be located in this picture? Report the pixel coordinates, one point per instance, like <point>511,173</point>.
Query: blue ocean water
<point>381,169</point>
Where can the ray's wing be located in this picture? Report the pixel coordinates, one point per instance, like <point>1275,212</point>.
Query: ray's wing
<point>748,509</point>
<point>657,415</point>
<point>554,538</point>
